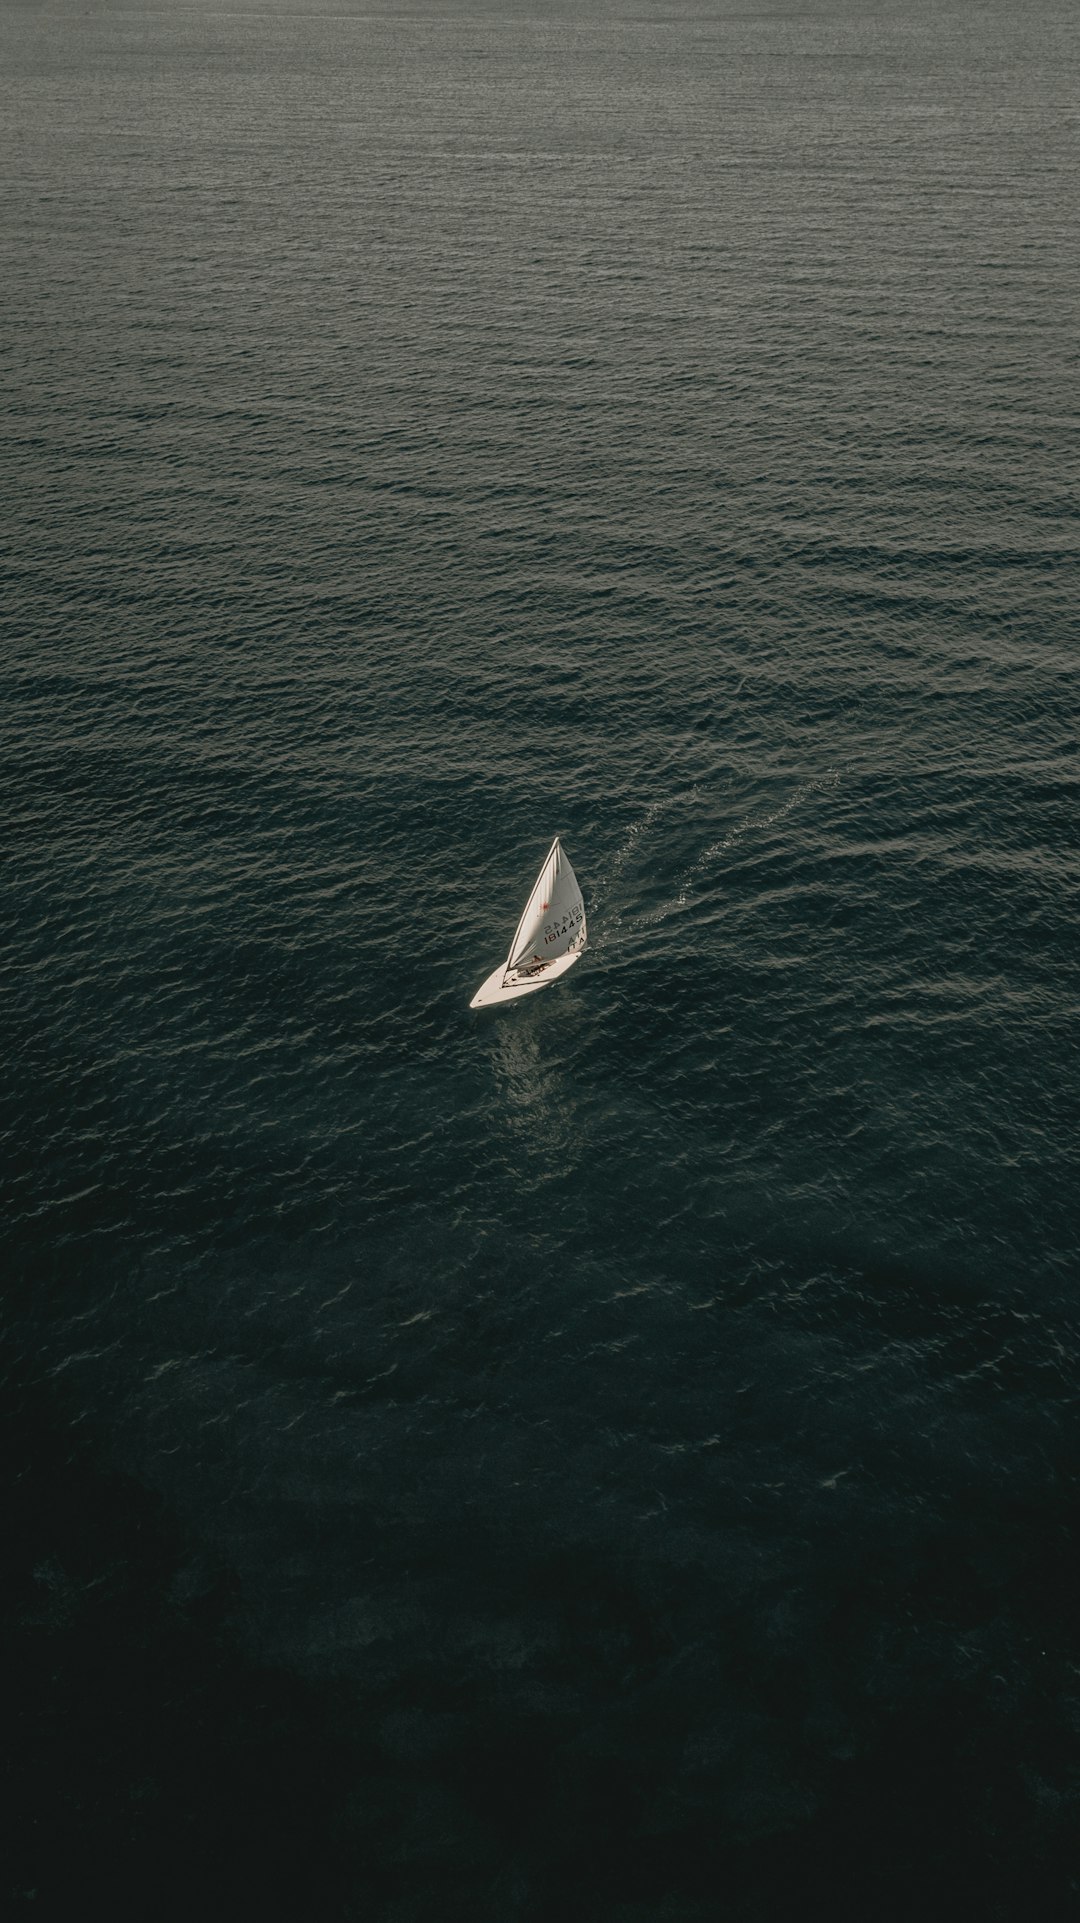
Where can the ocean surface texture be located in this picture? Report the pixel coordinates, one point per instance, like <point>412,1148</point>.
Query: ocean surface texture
<point>611,1458</point>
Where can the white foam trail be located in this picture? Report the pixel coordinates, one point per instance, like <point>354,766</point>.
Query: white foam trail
<point>623,854</point>
<point>752,824</point>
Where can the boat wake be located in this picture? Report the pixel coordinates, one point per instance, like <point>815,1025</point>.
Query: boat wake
<point>751,824</point>
<point>624,854</point>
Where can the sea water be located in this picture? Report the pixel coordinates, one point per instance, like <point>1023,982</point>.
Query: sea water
<point>612,1456</point>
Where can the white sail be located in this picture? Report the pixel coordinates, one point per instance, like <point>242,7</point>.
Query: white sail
<point>554,918</point>
<point>550,936</point>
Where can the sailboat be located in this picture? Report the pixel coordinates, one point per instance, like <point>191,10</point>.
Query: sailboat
<point>550,935</point>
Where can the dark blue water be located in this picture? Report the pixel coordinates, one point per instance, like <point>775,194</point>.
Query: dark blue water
<point>613,1457</point>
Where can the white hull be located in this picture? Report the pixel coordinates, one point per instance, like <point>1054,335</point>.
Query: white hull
<point>517,985</point>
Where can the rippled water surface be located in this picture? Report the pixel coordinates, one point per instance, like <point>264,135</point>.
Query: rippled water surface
<point>613,1456</point>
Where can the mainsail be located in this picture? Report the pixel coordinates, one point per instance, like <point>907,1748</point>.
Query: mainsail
<point>554,918</point>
